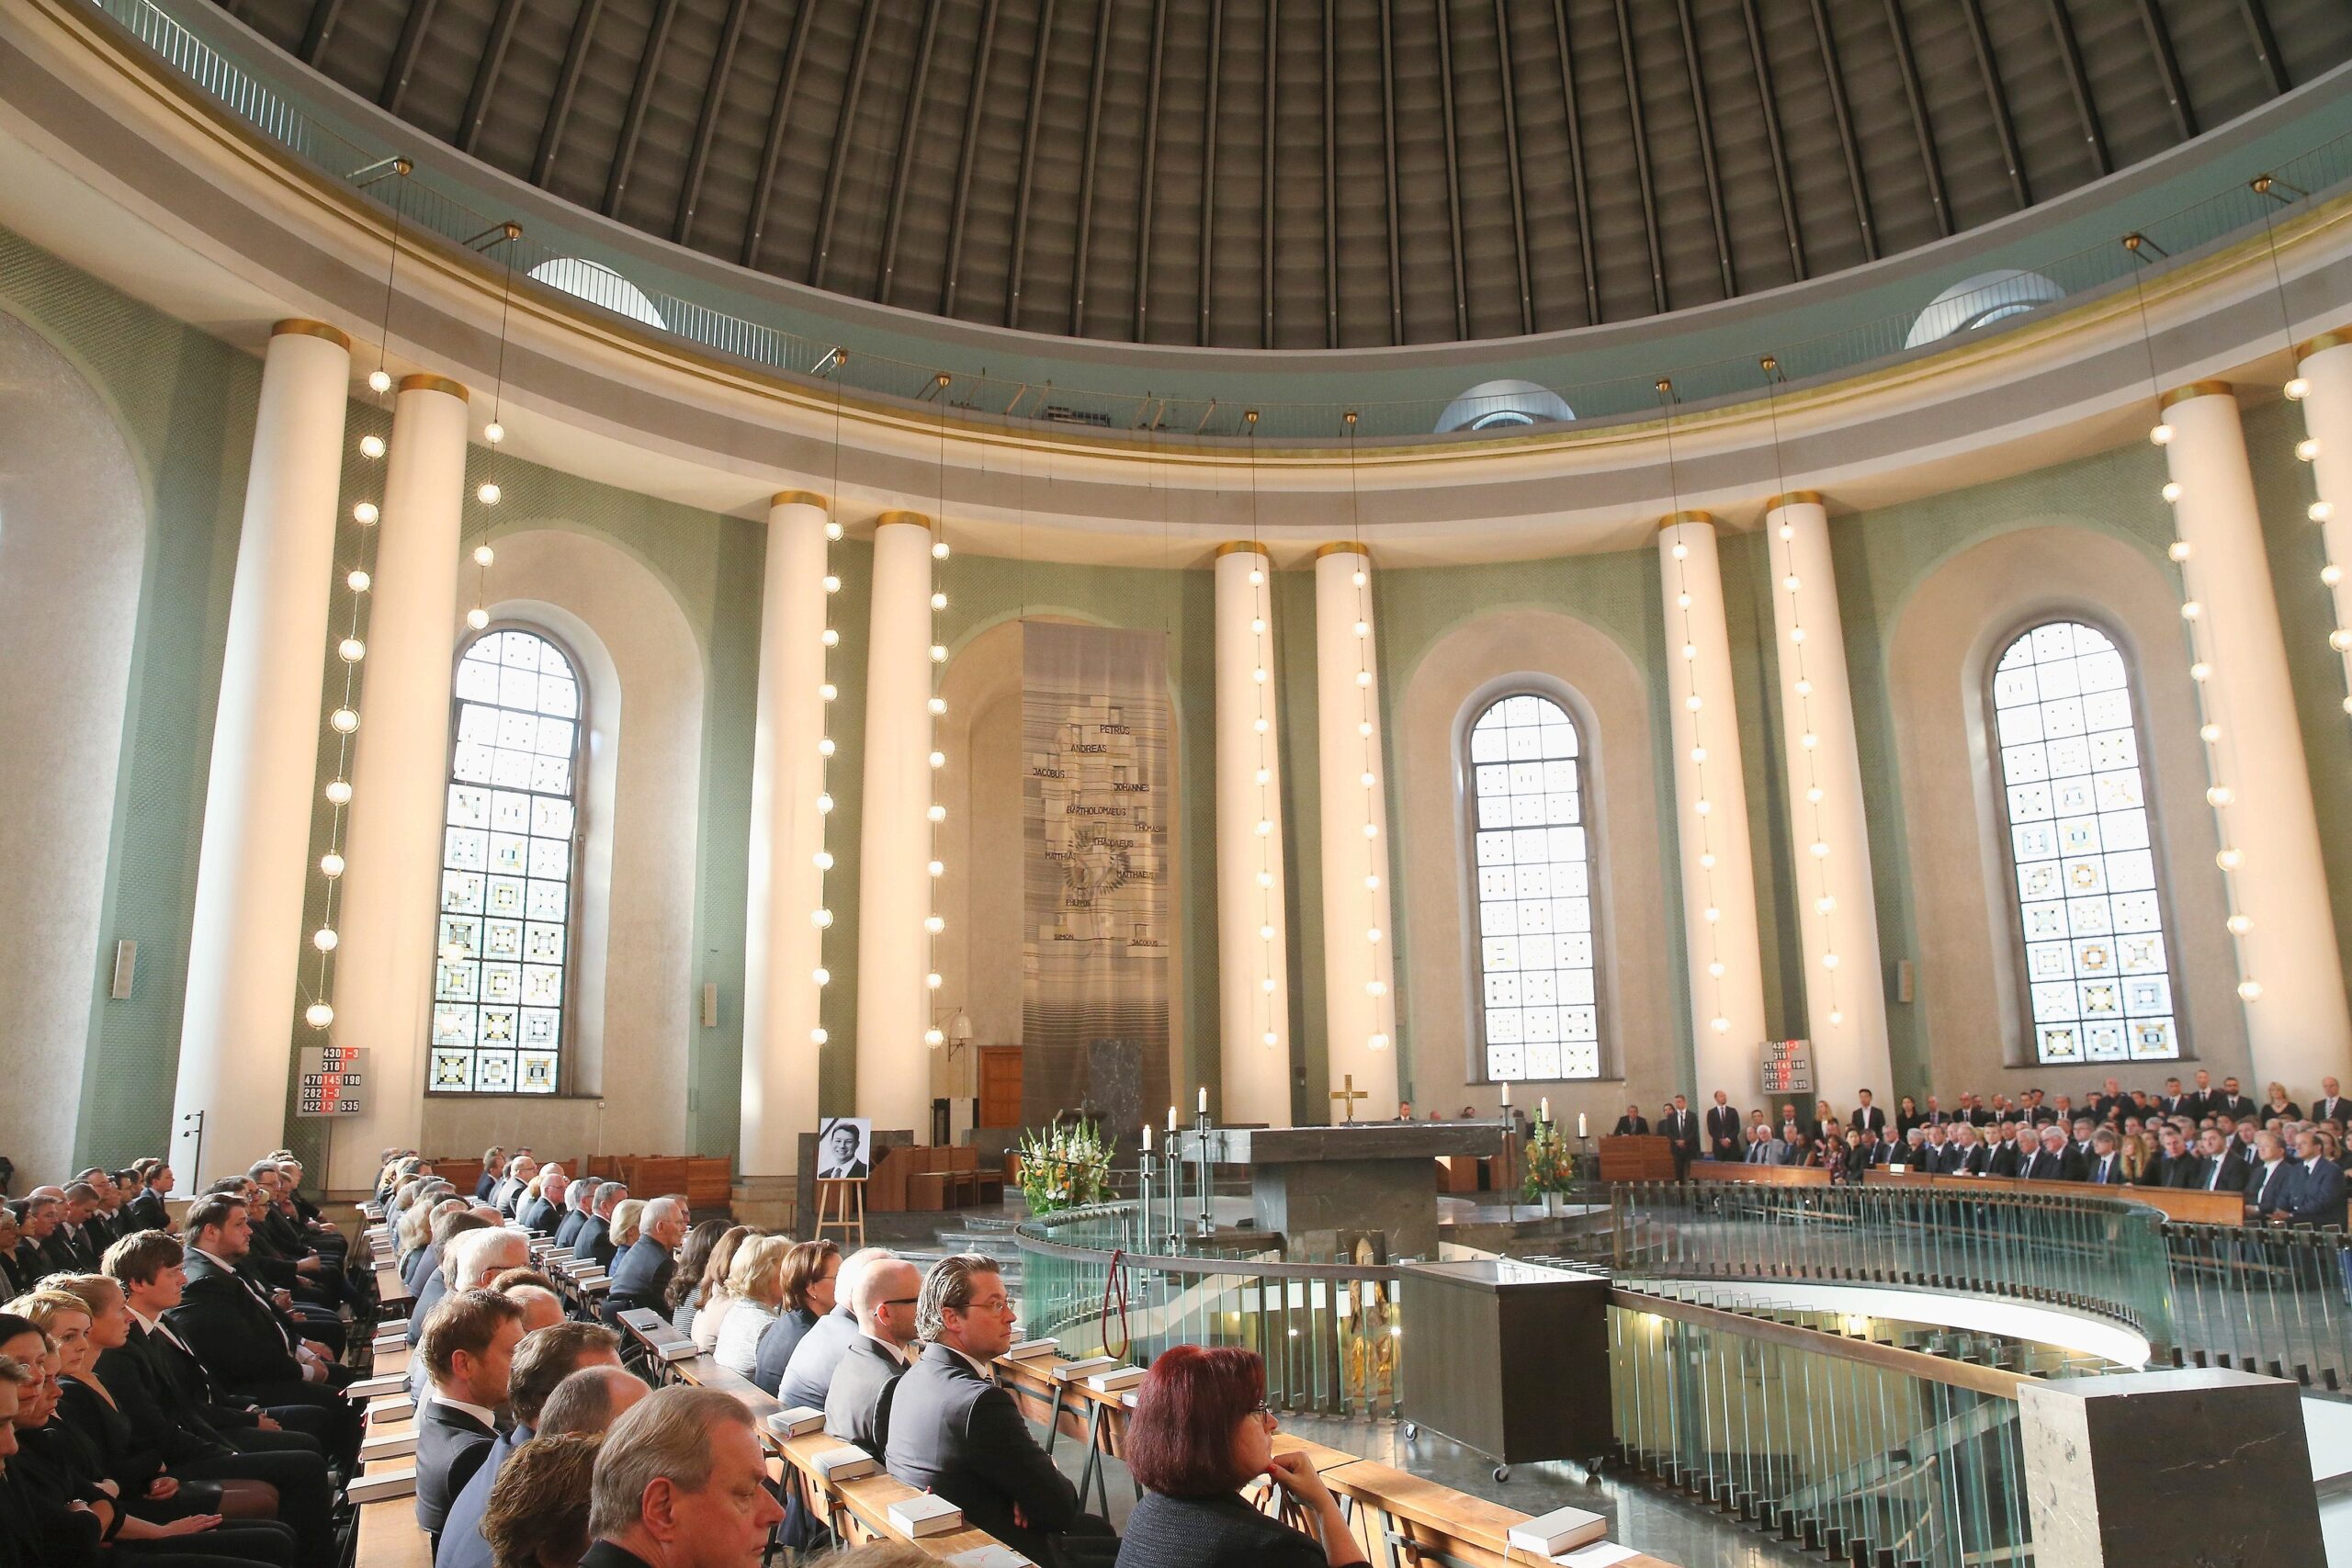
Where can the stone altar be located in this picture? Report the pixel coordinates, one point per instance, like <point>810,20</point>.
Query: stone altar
<point>1311,1183</point>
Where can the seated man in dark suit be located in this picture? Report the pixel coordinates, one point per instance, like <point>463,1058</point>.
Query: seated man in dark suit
<point>1632,1124</point>
<point>2106,1159</point>
<point>594,1238</point>
<point>539,1214</point>
<point>953,1431</point>
<point>42,1251</point>
<point>2009,1154</point>
<point>1966,1154</point>
<point>468,1352</point>
<point>2055,1161</point>
<point>2270,1183</point>
<point>242,1333</point>
<point>2175,1166</point>
<point>2220,1166</point>
<point>493,1170</point>
<point>2317,1196</point>
<point>576,1201</point>
<point>145,1210</point>
<point>545,1361</point>
<point>641,1275</point>
<point>680,1482</point>
<point>857,1405</point>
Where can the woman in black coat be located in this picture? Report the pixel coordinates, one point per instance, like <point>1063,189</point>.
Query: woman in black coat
<point>1200,1433</point>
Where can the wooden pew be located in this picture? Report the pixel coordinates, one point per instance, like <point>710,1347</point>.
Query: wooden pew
<point>1429,1522</point>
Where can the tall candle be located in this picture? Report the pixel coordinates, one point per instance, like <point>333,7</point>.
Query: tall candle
<point>1543,1109</point>
<point>1204,1100</point>
<point>1146,1137</point>
<point>1171,1118</point>
<point>1506,1094</point>
<point>1582,1129</point>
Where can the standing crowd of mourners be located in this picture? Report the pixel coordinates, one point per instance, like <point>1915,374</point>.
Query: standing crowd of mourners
<point>2283,1161</point>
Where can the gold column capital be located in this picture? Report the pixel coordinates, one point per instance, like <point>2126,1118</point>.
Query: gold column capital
<point>298,326</point>
<point>424,382</point>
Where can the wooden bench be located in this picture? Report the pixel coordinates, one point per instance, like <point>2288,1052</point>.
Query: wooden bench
<point>1419,1520</point>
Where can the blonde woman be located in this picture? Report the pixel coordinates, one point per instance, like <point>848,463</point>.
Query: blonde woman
<point>718,1273</point>
<point>623,1231</point>
<point>756,1290</point>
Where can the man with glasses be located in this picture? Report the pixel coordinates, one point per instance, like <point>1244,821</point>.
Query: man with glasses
<point>857,1406</point>
<point>953,1431</point>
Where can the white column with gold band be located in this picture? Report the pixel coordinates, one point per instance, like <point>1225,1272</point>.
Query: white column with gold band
<point>2324,379</point>
<point>246,941</point>
<point>894,836</point>
<point>1845,991</point>
<point>400,770</point>
<point>1360,1001</point>
<point>783,944</point>
<point>1253,969</point>
<point>1725,967</point>
<point>2291,976</point>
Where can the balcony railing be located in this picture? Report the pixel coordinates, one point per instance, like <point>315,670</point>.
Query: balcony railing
<point>438,195</point>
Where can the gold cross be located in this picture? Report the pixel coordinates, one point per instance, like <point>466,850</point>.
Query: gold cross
<point>1349,1095</point>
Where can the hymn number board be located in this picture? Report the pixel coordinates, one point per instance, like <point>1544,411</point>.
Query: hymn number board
<point>1788,1067</point>
<point>333,1080</point>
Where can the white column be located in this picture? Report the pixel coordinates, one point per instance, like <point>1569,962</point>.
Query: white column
<point>247,946</point>
<point>1845,989</point>
<point>1253,969</point>
<point>399,772</point>
<point>1727,969</point>
<point>894,892</point>
<point>2323,366</point>
<point>1359,993</point>
<point>2297,1024</point>
<point>783,944</point>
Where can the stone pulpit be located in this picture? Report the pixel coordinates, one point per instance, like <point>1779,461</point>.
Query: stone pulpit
<point>1364,1179</point>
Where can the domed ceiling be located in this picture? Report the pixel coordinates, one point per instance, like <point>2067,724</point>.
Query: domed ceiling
<point>1308,173</point>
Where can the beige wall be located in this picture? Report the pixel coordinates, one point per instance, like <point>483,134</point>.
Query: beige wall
<point>1644,1053</point>
<point>1945,636</point>
<point>635,1011</point>
<point>72,541</point>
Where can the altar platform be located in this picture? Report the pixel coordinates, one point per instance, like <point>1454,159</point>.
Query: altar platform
<point>1327,1189</point>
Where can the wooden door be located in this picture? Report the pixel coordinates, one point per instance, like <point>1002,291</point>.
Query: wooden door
<point>1000,1086</point>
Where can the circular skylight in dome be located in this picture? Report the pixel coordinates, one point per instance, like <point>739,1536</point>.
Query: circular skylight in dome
<point>599,285</point>
<point>1501,405</point>
<point>1980,302</point>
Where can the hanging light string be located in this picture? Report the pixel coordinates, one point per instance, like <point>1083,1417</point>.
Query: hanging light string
<point>1261,617</point>
<point>488,493</point>
<point>2220,749</point>
<point>2321,510</point>
<point>1824,902</point>
<point>935,923</point>
<point>828,638</point>
<point>342,723</point>
<point>1702,807</point>
<point>1375,983</point>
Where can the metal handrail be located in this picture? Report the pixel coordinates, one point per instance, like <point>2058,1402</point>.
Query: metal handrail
<point>438,198</point>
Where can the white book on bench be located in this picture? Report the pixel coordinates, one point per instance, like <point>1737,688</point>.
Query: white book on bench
<point>377,1486</point>
<point>370,1388</point>
<point>925,1514</point>
<point>392,1445</point>
<point>796,1422</point>
<point>1029,1349</point>
<point>1074,1372</point>
<point>843,1463</point>
<point>1115,1378</point>
<point>1562,1530</point>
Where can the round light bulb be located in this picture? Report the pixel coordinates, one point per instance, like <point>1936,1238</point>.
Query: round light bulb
<point>1265,827</point>
<point>932,981</point>
<point>1682,601</point>
<point>933,924</point>
<point>825,746</point>
<point>2340,640</point>
<point>2178,549</point>
<point>934,1037</point>
<point>2201,670</point>
<point>1804,688</point>
<point>484,555</point>
<point>827,692</point>
<point>1818,848</point>
<point>1267,985</point>
<point>823,860</point>
<point>2209,733</point>
<point>2330,575</point>
<point>1707,861</point>
<point>477,617</point>
<point>1720,1023</point>
<point>937,813</point>
<point>938,653</point>
<point>818,1036</point>
<point>833,584</point>
<point>1693,703</point>
<point>494,432</point>
<point>1265,775</point>
<point>1698,753</point>
<point>2160,435</point>
<point>1265,933</point>
<point>939,549</point>
<point>939,600</point>
<point>1266,879</point>
<point>1377,1042</point>
<point>352,650</point>
<point>1267,1038</point>
<point>1703,807</point>
<point>2229,860</point>
<point>1363,629</point>
<point>1796,634</point>
<point>1257,626</point>
<point>1363,677</point>
<point>1835,1017</point>
<point>938,705</point>
<point>2240,924</point>
<point>1375,987</point>
<point>1257,578</point>
<point>824,803</point>
<point>489,493</point>
<point>2298,389</point>
<point>339,792</point>
<point>1809,740</point>
<point>1372,830</point>
<point>1371,883</point>
<point>1813,795</point>
<point>1716,969</point>
<point>1713,914</point>
<point>2192,609</point>
<point>317,1015</point>
<point>344,720</point>
<point>331,864</point>
<point>1830,961</point>
<point>1690,651</point>
<point>379,381</point>
<point>936,868</point>
<point>820,919</point>
<point>2307,449</point>
<point>1359,580</point>
<point>829,637</point>
<point>833,532</point>
<point>365,513</point>
<point>1259,675</point>
<point>2319,511</point>
<point>822,976</point>
<point>2250,990</point>
<point>1363,729</point>
<point>1259,724</point>
<point>324,939</point>
<point>358,582</point>
<point>1372,933</point>
<point>1825,905</point>
<point>371,445</point>
<point>2171,490</point>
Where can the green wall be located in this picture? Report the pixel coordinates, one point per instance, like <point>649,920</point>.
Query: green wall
<point>185,400</point>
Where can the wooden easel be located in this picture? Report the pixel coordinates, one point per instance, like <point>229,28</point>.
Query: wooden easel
<point>841,1206</point>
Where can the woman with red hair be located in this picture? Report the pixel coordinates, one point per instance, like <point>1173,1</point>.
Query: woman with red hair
<point>1200,1433</point>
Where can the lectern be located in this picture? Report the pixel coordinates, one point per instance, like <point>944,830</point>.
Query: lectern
<point>1508,1359</point>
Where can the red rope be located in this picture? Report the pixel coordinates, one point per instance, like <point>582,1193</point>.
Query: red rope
<point>1114,1282</point>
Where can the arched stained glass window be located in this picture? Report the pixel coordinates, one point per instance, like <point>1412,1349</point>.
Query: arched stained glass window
<point>508,876</point>
<point>1539,1016</point>
<point>2098,969</point>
